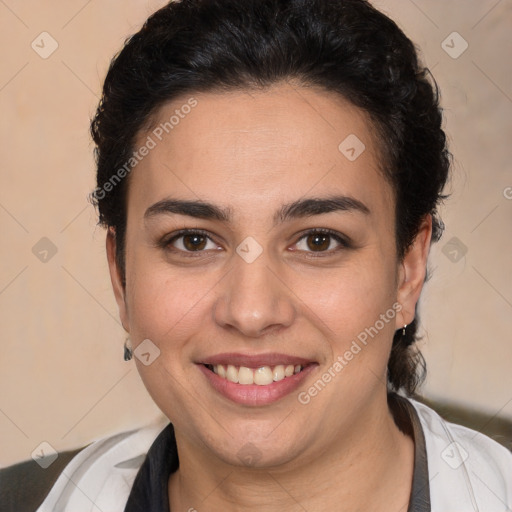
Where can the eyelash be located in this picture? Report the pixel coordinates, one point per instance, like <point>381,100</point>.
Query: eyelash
<point>166,242</point>
<point>344,243</point>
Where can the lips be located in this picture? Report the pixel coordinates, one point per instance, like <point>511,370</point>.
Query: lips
<point>255,379</point>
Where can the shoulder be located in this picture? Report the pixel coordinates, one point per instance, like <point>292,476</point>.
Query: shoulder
<point>466,468</point>
<point>102,471</point>
<point>23,486</point>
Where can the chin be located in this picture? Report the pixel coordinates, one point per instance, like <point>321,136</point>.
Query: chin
<point>260,451</point>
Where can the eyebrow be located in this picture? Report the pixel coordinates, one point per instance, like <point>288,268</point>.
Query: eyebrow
<point>298,209</point>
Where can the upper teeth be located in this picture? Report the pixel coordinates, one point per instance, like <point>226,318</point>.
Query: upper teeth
<point>262,376</point>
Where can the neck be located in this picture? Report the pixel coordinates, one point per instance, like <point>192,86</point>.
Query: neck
<point>369,468</point>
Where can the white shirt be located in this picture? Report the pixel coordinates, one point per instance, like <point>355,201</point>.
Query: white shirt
<point>468,471</point>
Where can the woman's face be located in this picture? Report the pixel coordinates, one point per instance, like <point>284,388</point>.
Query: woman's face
<point>289,260</point>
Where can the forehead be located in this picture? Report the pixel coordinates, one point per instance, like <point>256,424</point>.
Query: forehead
<point>235,148</point>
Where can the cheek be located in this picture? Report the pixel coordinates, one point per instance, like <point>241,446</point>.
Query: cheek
<point>164,305</point>
<point>351,297</point>
<point>353,307</point>
<point>169,309</point>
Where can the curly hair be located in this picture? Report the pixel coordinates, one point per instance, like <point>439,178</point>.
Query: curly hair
<point>342,46</point>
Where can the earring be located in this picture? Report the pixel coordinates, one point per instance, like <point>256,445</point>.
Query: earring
<point>403,330</point>
<point>127,350</point>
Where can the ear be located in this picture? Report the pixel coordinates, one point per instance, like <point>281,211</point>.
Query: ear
<point>412,272</point>
<point>116,278</point>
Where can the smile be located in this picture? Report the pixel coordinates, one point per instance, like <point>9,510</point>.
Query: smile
<point>255,380</point>
<point>262,376</point>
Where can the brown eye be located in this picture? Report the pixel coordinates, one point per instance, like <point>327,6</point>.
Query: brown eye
<point>321,241</point>
<point>191,241</point>
<point>318,242</point>
<point>194,242</point>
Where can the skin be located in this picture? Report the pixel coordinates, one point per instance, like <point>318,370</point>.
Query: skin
<point>252,153</point>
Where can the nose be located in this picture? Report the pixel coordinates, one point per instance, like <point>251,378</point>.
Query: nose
<point>253,299</point>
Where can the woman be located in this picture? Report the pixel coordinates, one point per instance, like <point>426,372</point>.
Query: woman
<point>268,172</point>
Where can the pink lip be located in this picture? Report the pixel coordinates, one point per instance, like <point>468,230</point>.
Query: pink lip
<point>252,394</point>
<point>255,361</point>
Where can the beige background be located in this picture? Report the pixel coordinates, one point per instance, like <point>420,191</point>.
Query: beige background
<point>63,379</point>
